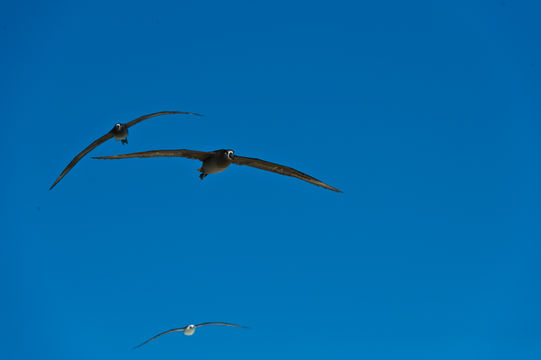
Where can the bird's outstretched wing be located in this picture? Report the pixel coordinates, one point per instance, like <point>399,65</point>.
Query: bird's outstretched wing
<point>160,334</point>
<point>280,169</point>
<point>190,154</point>
<point>219,323</point>
<point>144,117</point>
<point>76,159</point>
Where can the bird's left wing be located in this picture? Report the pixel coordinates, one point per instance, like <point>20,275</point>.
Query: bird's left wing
<point>144,117</point>
<point>280,169</point>
<point>79,156</point>
<point>157,336</point>
<point>190,154</point>
<point>219,323</point>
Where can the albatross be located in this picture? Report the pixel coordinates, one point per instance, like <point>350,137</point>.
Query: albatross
<point>188,330</point>
<point>219,160</point>
<point>119,132</point>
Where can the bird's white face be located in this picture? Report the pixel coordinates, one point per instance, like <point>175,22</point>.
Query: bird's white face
<point>230,154</point>
<point>118,126</point>
<point>190,329</point>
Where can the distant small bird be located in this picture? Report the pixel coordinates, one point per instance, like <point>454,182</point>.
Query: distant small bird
<point>119,132</point>
<point>188,330</point>
<point>219,160</point>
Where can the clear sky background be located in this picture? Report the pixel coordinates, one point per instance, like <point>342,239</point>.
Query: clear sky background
<point>425,113</point>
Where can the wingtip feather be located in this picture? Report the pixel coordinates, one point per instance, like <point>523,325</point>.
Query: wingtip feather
<point>53,185</point>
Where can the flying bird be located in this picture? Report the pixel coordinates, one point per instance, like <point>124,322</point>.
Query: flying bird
<point>119,132</point>
<point>188,330</point>
<point>219,160</point>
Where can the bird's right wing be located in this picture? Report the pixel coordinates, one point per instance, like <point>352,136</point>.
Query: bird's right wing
<point>280,169</point>
<point>79,156</point>
<point>190,154</point>
<point>219,323</point>
<point>144,117</point>
<point>160,334</point>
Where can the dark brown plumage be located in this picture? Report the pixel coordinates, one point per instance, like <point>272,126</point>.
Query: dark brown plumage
<point>112,133</point>
<point>208,156</point>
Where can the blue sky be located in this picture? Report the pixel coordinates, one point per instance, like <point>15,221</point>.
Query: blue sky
<point>425,113</point>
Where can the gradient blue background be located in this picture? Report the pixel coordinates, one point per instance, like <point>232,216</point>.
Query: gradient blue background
<point>425,113</point>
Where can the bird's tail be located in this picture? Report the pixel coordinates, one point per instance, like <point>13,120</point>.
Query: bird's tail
<point>202,176</point>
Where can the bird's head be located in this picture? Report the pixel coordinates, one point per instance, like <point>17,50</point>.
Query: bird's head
<point>230,154</point>
<point>189,330</point>
<point>117,128</point>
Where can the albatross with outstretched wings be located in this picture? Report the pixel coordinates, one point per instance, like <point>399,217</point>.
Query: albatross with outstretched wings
<point>119,132</point>
<point>219,160</point>
<point>188,330</point>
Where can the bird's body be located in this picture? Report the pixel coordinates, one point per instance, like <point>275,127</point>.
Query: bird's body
<point>216,163</point>
<point>189,330</point>
<point>219,160</point>
<point>120,133</point>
